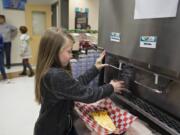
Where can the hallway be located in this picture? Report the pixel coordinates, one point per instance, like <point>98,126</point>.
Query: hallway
<point>18,108</point>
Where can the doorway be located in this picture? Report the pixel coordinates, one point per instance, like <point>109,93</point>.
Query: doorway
<point>38,19</point>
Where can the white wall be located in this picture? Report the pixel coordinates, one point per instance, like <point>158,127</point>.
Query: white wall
<point>16,18</point>
<point>93,15</point>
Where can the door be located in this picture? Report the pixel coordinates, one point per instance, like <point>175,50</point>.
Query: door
<point>54,14</point>
<point>38,19</point>
<point>64,7</point>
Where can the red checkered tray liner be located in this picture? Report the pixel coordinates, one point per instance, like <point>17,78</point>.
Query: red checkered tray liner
<point>122,119</point>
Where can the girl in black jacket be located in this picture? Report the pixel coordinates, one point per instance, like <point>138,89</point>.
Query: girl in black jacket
<point>56,90</point>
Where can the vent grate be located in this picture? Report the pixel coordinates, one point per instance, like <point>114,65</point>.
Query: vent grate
<point>155,112</point>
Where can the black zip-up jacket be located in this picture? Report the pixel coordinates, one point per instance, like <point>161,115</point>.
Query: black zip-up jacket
<point>59,90</point>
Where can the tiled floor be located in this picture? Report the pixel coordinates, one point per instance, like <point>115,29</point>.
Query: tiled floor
<point>18,110</point>
<point>14,69</point>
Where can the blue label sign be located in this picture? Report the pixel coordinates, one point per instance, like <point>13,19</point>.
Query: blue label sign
<point>115,37</point>
<point>148,41</point>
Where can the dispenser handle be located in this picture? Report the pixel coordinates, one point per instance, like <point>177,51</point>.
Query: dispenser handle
<point>114,67</point>
<point>149,88</point>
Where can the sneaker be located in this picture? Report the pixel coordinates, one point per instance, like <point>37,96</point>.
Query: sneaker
<point>31,74</point>
<point>23,73</point>
<point>8,67</point>
<point>6,81</point>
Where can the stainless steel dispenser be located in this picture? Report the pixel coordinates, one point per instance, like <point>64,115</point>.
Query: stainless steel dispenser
<point>156,71</point>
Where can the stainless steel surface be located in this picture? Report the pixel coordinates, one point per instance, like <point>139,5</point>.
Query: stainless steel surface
<point>168,100</point>
<point>157,71</point>
<point>118,16</point>
<point>145,86</point>
<point>165,94</point>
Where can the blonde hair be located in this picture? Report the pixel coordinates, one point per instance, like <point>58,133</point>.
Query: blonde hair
<point>50,44</point>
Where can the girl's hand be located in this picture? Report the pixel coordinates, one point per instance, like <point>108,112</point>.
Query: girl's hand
<point>99,64</point>
<point>118,86</point>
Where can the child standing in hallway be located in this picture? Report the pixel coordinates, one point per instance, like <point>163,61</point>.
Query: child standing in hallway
<point>3,73</point>
<point>25,51</point>
<point>8,32</point>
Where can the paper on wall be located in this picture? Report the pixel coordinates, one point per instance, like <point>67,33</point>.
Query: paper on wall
<point>145,9</point>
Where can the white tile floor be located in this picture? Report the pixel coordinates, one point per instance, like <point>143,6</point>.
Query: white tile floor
<point>18,110</point>
<point>16,69</point>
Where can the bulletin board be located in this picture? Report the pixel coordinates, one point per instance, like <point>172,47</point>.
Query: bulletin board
<point>81,18</point>
<point>14,4</point>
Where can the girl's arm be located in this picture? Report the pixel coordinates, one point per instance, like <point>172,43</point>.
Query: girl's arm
<point>63,86</point>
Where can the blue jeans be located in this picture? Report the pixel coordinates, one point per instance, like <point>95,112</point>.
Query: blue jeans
<point>7,50</point>
<point>3,73</point>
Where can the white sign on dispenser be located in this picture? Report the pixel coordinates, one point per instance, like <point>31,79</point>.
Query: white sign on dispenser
<point>147,9</point>
<point>148,41</point>
<point>115,37</point>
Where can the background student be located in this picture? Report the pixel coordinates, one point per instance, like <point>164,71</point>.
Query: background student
<point>8,32</point>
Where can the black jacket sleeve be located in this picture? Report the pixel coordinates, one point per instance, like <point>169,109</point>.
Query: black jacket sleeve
<point>88,76</point>
<point>63,86</point>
